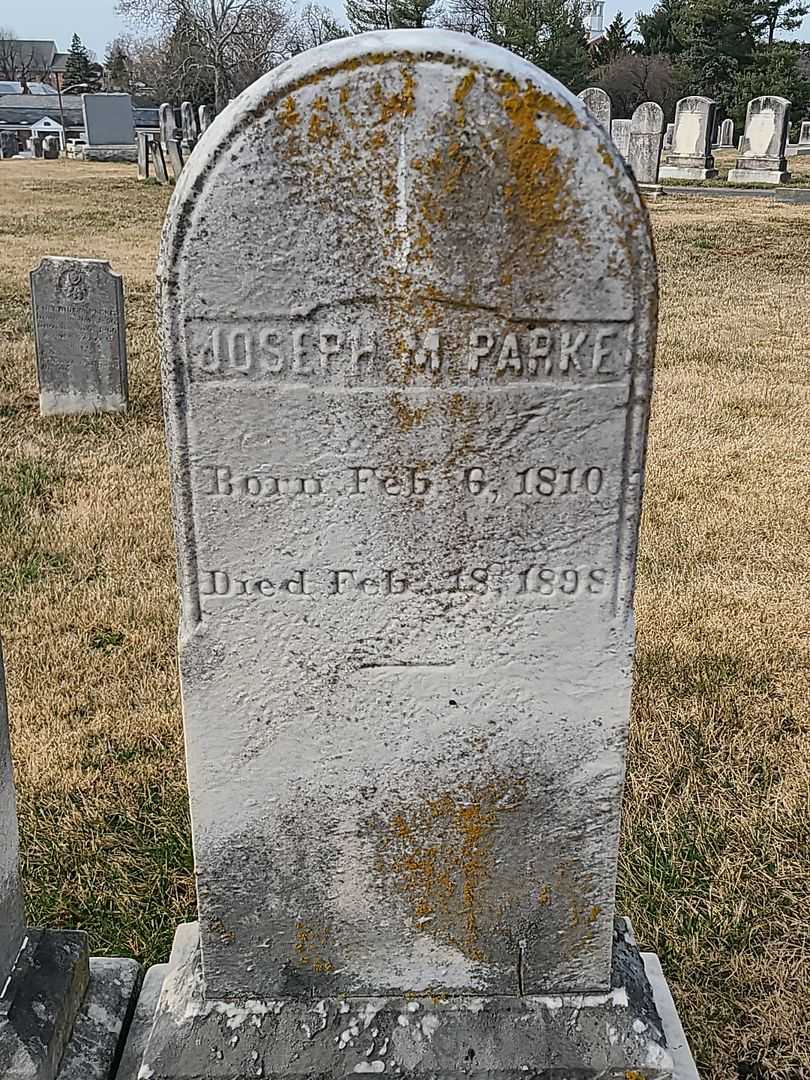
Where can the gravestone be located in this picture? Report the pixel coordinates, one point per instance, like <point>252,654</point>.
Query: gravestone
<point>61,1013</point>
<point>78,308</point>
<point>189,120</point>
<point>597,102</point>
<point>108,120</point>
<point>804,133</point>
<point>690,157</point>
<point>646,137</point>
<point>9,146</point>
<point>726,136</point>
<point>158,159</point>
<point>620,133</point>
<point>406,488</point>
<point>143,155</point>
<point>206,116</point>
<point>171,138</point>
<point>51,147</point>
<point>668,134</point>
<point>762,148</point>
<point>37,146</point>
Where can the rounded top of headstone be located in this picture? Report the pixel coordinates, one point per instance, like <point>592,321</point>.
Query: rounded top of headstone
<point>402,158</point>
<point>694,103</point>
<point>768,101</point>
<point>648,117</point>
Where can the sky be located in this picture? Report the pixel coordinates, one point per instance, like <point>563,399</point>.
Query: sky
<point>97,24</point>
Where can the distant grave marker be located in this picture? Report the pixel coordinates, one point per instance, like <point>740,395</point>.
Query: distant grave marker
<point>762,148</point>
<point>620,133</point>
<point>646,137</point>
<point>172,139</point>
<point>143,155</point>
<point>597,102</point>
<point>690,157</point>
<point>190,133</point>
<point>78,307</point>
<point>206,115</point>
<point>108,120</point>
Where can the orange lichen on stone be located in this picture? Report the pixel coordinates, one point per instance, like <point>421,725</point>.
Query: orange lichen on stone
<point>309,946</point>
<point>288,114</point>
<point>321,124</point>
<point>407,416</point>
<point>440,853</point>
<point>538,186</point>
<point>399,104</point>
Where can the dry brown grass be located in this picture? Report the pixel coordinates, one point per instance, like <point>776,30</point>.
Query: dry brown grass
<point>717,819</point>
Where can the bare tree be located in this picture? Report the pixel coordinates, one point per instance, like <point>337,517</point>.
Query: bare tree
<point>314,26</point>
<point>234,40</point>
<point>633,79</point>
<point>20,61</point>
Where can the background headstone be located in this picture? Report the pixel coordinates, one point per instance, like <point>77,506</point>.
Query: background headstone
<point>646,137</point>
<point>726,133</point>
<point>37,145</point>
<point>804,133</point>
<point>51,147</point>
<point>158,159</point>
<point>78,307</point>
<point>206,116</point>
<point>668,133</point>
<point>597,102</point>
<point>108,120</point>
<point>143,155</point>
<point>762,149</point>
<point>9,145</point>
<point>189,120</point>
<point>690,157</point>
<point>620,133</point>
<point>406,490</point>
<point>171,138</point>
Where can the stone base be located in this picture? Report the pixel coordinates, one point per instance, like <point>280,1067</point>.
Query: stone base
<point>682,172</point>
<point>797,151</point>
<point>757,176</point>
<point>576,1036</point>
<point>67,404</point>
<point>110,153</point>
<point>62,1014</point>
<point>651,191</point>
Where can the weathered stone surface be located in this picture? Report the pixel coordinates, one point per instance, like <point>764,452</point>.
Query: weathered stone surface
<point>597,102</point>
<point>12,923</point>
<point>143,1019</point>
<point>78,307</point>
<point>143,155</point>
<point>9,146</point>
<point>158,159</point>
<point>605,1035</point>
<point>108,120</point>
<point>206,115</point>
<point>102,1021</point>
<point>620,133</point>
<point>172,139</point>
<point>406,486</point>
<point>683,1064</point>
<point>40,1003</point>
<point>646,137</point>
<point>668,134</point>
<point>189,120</point>
<point>726,137</point>
<point>762,148</point>
<point>690,157</point>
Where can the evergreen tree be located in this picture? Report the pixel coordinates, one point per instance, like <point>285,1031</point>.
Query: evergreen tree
<point>616,41</point>
<point>773,15</point>
<point>366,15</point>
<point>720,40</point>
<point>659,30</point>
<point>117,66</point>
<point>79,68</point>
<point>414,14</point>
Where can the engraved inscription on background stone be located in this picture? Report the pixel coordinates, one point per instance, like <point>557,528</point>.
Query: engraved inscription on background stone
<point>80,341</point>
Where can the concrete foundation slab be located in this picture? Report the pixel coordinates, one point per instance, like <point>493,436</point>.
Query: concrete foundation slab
<point>40,1003</point>
<point>757,176</point>
<point>677,172</point>
<point>92,1053</point>
<point>576,1035</point>
<point>110,153</point>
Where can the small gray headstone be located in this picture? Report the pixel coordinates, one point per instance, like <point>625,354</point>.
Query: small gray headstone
<point>172,139</point>
<point>646,137</point>
<point>12,922</point>
<point>143,155</point>
<point>762,149</point>
<point>206,116</point>
<point>726,137</point>
<point>597,102</point>
<point>78,307</point>
<point>620,134</point>
<point>690,157</point>
<point>108,120</point>
<point>9,146</point>
<point>158,159</point>
<point>51,147</point>
<point>804,133</point>
<point>37,145</point>
<point>668,134</point>
<point>190,134</point>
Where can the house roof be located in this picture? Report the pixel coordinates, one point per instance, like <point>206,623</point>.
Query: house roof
<point>38,56</point>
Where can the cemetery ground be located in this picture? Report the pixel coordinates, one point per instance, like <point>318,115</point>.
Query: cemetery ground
<point>717,812</point>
